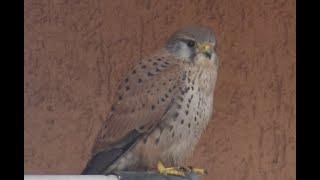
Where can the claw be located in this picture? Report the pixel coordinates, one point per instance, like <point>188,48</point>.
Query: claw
<point>179,171</point>
<point>199,171</point>
<point>169,171</point>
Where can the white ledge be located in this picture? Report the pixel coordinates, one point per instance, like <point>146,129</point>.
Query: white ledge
<point>70,177</point>
<point>123,175</point>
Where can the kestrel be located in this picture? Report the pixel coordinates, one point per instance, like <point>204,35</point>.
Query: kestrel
<point>162,107</point>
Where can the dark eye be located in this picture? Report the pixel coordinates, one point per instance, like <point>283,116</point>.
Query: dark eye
<point>191,43</point>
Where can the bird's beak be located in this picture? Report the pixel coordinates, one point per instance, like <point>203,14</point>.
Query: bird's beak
<point>206,49</point>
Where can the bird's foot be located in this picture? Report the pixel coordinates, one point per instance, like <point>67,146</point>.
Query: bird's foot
<point>179,171</point>
<point>169,170</point>
<point>198,171</point>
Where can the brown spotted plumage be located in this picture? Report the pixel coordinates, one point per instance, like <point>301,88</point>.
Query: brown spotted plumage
<point>163,105</point>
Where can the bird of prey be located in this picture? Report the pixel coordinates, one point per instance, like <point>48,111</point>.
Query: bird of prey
<point>162,107</point>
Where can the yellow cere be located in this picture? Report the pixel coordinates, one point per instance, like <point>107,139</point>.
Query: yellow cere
<point>204,47</point>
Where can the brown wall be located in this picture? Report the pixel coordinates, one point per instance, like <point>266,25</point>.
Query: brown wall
<point>76,51</point>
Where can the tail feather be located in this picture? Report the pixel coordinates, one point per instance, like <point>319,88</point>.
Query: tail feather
<point>100,162</point>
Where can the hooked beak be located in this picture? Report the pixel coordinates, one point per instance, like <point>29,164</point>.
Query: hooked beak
<point>206,49</point>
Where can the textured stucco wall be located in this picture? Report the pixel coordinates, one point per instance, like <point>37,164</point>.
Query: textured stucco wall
<point>77,50</point>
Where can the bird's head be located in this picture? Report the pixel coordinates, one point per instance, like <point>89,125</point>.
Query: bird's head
<point>193,44</point>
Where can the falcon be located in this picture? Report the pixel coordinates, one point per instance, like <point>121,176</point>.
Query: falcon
<point>162,107</point>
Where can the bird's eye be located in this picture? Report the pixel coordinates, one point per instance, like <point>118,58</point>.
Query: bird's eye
<point>191,43</point>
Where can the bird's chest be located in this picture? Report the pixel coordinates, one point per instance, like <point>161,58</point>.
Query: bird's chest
<point>183,124</point>
<point>194,114</point>
<point>187,119</point>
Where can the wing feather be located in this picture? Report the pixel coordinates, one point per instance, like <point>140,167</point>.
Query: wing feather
<point>144,97</point>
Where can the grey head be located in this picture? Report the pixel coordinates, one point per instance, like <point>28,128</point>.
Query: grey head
<point>193,43</point>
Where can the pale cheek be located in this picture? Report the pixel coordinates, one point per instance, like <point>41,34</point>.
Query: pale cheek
<point>203,61</point>
<point>201,58</point>
<point>184,51</point>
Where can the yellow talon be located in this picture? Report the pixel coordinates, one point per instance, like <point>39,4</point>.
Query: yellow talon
<point>169,170</point>
<point>179,171</point>
<point>199,171</point>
